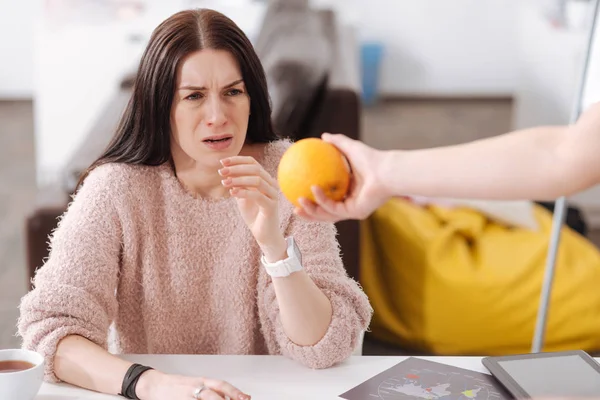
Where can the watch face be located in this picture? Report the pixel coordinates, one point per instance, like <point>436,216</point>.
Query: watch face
<point>297,251</point>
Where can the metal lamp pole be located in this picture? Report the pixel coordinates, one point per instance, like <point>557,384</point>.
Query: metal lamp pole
<point>561,204</point>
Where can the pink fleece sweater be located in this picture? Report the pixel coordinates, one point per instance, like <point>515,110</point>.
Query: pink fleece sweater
<point>178,275</point>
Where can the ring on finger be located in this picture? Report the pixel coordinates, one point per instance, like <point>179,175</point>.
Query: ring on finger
<point>198,391</point>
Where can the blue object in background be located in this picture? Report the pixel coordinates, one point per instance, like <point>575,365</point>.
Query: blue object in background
<point>371,55</point>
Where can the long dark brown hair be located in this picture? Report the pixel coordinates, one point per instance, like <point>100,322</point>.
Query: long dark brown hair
<point>143,134</point>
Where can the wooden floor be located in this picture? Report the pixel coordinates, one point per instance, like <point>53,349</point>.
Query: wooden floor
<point>17,190</point>
<point>413,124</point>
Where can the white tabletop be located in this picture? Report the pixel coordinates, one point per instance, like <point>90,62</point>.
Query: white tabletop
<point>264,377</point>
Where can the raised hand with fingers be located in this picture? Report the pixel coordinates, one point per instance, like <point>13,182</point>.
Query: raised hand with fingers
<point>257,194</point>
<point>367,189</point>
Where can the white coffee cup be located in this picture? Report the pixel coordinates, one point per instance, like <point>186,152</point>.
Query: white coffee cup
<point>23,384</point>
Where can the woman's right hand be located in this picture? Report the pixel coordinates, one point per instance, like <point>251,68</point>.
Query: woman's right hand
<point>155,385</point>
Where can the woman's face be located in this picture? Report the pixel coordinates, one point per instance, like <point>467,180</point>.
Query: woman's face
<point>210,112</point>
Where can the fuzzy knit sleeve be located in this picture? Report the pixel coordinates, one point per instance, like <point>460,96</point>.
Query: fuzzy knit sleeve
<point>74,291</point>
<point>351,308</point>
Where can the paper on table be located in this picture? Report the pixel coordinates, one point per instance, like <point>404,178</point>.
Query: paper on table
<point>416,378</point>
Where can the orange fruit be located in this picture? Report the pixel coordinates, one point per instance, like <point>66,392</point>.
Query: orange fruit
<point>313,162</point>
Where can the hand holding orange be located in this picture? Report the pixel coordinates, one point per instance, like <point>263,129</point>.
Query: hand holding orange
<point>313,162</point>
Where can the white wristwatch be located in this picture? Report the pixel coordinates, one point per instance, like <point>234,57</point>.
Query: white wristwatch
<point>285,267</point>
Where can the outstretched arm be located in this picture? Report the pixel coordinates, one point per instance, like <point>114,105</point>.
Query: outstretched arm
<point>539,163</point>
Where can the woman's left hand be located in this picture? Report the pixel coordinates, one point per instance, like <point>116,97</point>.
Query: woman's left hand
<point>256,193</point>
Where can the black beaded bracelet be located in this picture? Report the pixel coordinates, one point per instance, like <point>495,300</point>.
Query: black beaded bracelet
<point>131,379</point>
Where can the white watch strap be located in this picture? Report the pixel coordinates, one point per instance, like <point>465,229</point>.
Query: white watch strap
<point>284,267</point>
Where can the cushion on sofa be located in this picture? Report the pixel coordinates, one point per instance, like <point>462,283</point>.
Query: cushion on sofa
<point>296,54</point>
<point>450,281</point>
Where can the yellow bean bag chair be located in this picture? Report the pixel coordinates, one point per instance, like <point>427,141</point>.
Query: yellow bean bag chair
<point>451,282</point>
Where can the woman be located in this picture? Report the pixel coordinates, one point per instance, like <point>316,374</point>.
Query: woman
<point>178,230</point>
<point>540,163</point>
